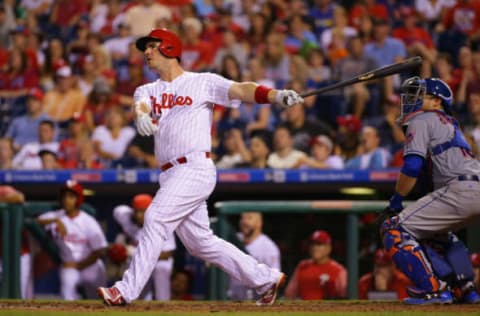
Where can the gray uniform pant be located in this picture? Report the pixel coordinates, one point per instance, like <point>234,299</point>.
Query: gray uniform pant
<point>449,208</point>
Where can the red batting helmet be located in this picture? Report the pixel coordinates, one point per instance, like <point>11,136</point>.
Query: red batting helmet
<point>117,253</point>
<point>170,44</point>
<point>141,201</point>
<point>75,187</point>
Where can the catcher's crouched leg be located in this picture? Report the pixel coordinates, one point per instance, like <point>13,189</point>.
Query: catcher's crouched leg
<point>408,256</point>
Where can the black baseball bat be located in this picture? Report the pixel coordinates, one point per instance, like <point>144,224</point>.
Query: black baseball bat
<point>381,72</point>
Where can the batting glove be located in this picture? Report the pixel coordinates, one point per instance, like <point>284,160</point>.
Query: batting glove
<point>288,98</point>
<point>145,126</point>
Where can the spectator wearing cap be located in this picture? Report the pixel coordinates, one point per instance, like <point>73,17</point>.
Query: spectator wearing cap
<point>385,50</point>
<point>475,259</point>
<point>112,138</point>
<point>365,8</point>
<point>371,155</point>
<point>361,96</point>
<point>27,157</point>
<point>24,129</point>
<point>6,154</point>
<point>384,282</point>
<point>143,16</point>
<point>284,156</point>
<point>416,39</point>
<point>322,157</point>
<point>258,151</point>
<point>196,53</point>
<point>65,99</point>
<point>347,135</point>
<point>319,277</point>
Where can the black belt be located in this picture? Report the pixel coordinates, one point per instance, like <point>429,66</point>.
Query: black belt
<point>470,177</point>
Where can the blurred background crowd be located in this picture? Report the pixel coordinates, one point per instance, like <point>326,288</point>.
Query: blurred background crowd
<point>68,69</point>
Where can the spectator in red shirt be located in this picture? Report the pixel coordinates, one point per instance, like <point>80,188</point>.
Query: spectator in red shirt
<point>318,277</point>
<point>416,39</point>
<point>464,17</point>
<point>18,78</point>
<point>383,278</point>
<point>65,16</point>
<point>181,282</point>
<point>196,54</point>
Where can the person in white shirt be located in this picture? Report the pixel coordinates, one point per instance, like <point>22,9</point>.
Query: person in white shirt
<point>284,155</point>
<point>81,244</point>
<point>130,219</point>
<point>322,156</point>
<point>28,157</point>
<point>111,140</point>
<point>259,246</point>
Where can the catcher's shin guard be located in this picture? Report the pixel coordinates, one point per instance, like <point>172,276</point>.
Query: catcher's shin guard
<point>408,256</point>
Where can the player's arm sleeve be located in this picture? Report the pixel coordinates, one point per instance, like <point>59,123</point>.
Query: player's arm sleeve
<point>123,216</point>
<point>217,90</point>
<point>412,165</point>
<point>291,291</point>
<point>417,138</point>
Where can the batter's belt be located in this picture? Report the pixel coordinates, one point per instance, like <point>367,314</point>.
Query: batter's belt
<point>179,161</point>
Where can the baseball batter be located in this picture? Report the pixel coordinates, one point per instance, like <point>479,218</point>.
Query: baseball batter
<point>177,110</point>
<point>131,220</point>
<point>81,243</point>
<point>434,135</point>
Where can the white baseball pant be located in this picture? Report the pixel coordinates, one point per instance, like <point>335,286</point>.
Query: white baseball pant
<point>180,206</point>
<point>89,278</point>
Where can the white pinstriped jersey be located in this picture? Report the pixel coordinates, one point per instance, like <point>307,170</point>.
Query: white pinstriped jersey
<point>183,108</point>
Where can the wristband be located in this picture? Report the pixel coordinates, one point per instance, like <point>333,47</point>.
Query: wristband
<point>261,94</point>
<point>396,201</point>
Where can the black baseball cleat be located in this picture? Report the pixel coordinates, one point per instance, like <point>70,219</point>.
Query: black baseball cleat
<point>269,297</point>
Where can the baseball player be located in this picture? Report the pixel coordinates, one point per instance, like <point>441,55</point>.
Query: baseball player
<point>259,246</point>
<point>318,277</point>
<point>177,110</point>
<point>433,135</point>
<point>81,243</point>
<point>131,220</point>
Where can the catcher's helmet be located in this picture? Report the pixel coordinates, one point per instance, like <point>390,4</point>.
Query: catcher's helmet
<point>414,89</point>
<point>170,44</point>
<point>141,201</point>
<point>75,187</point>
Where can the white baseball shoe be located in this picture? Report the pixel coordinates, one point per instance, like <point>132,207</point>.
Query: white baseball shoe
<point>269,297</point>
<point>111,296</point>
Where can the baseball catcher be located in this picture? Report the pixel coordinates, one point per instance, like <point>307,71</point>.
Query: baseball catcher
<point>432,134</point>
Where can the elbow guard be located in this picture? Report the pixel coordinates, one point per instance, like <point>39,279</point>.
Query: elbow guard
<point>412,164</point>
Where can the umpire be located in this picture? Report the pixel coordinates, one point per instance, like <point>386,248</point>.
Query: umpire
<point>433,137</point>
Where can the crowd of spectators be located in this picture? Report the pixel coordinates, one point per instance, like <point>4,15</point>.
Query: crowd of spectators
<point>68,69</point>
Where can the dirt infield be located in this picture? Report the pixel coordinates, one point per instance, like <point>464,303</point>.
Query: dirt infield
<point>247,307</point>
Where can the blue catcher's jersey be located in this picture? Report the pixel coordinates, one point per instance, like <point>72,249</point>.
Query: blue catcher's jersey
<point>436,134</point>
